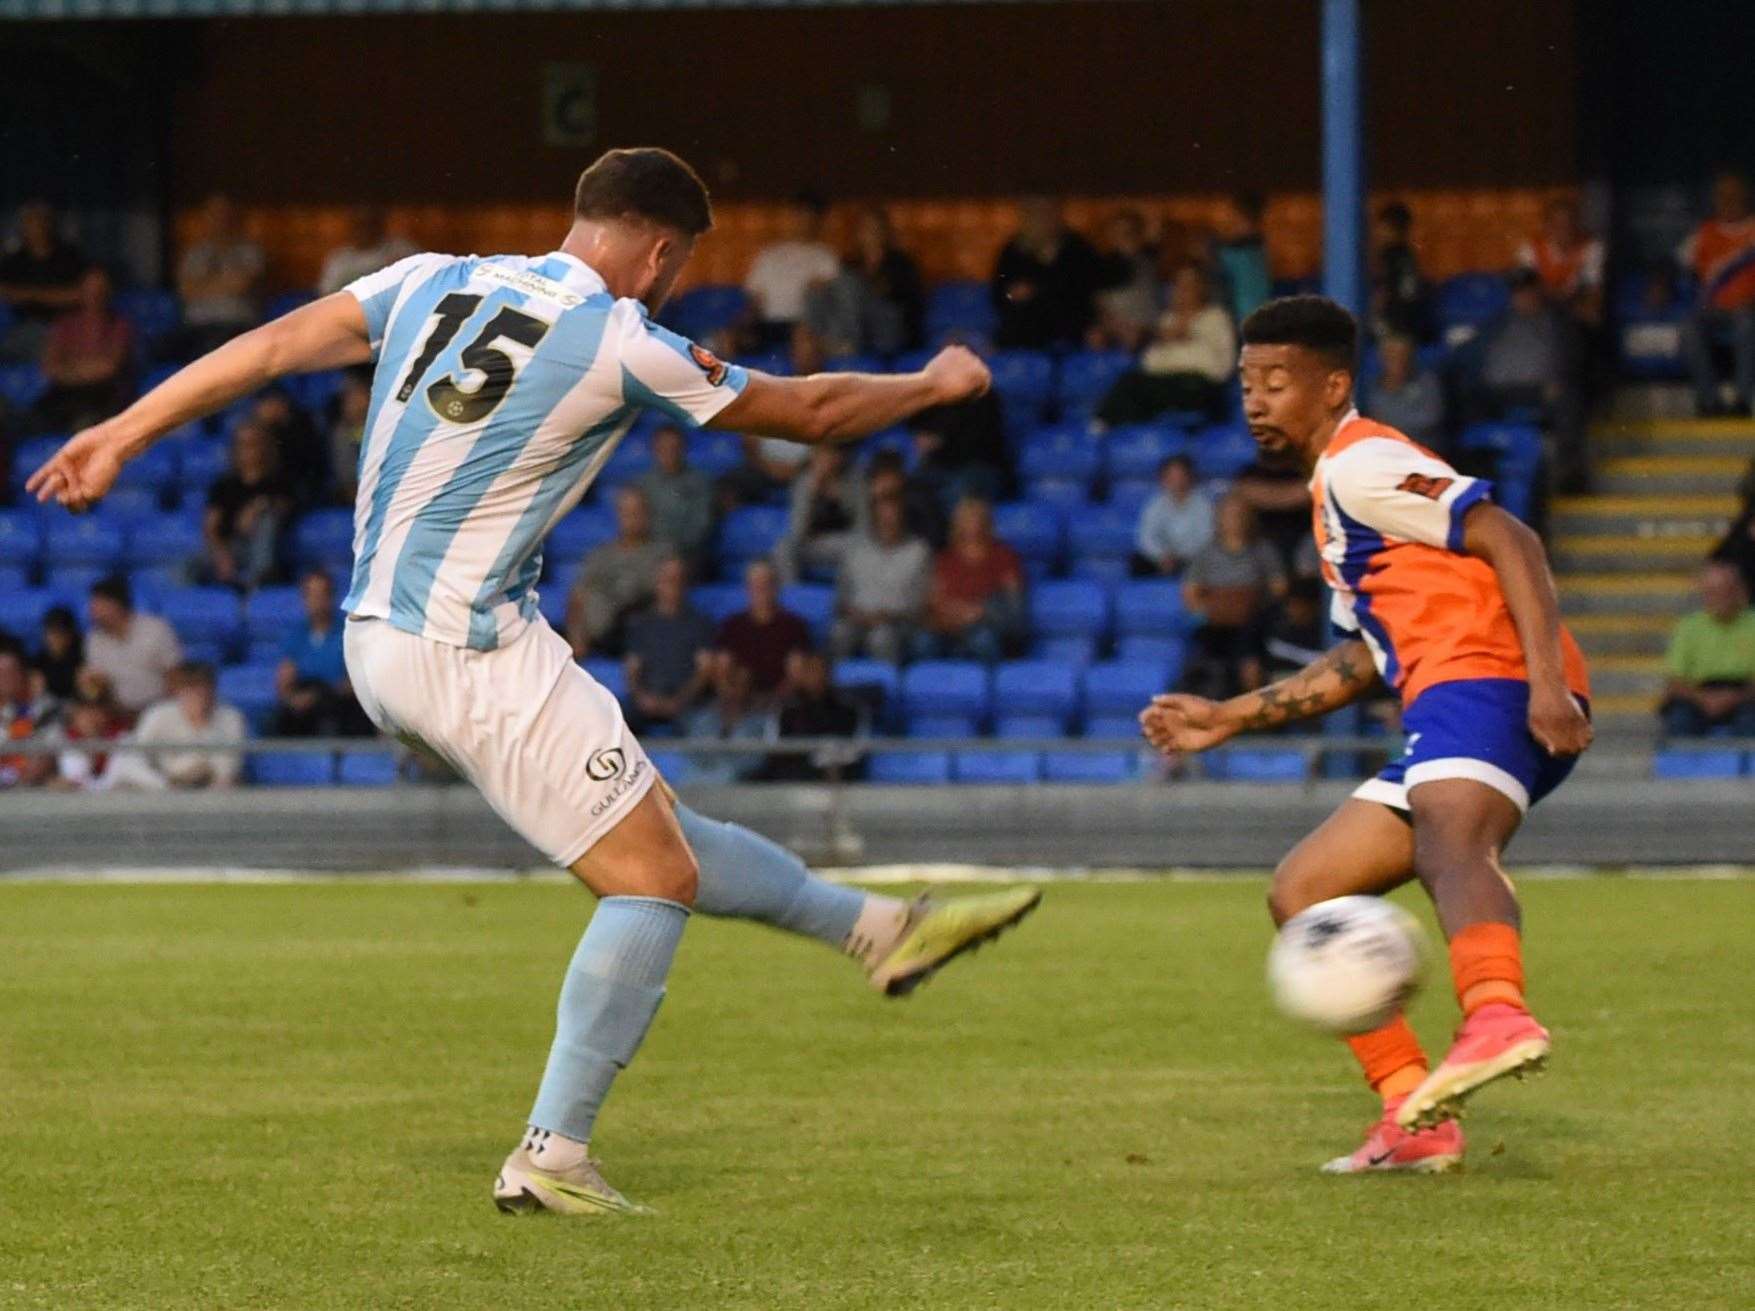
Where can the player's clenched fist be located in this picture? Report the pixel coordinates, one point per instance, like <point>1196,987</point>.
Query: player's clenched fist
<point>1556,721</point>
<point>958,374</point>
<point>1176,721</point>
<point>81,472</point>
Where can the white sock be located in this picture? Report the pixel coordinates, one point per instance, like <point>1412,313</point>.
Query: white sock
<point>553,1151</point>
<point>881,923</point>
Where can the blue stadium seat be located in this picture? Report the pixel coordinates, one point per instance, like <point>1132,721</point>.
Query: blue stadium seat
<point>706,309</point>
<point>942,726</point>
<point>28,457</point>
<point>261,650</point>
<point>1065,453</point>
<point>751,533</point>
<point>323,537</point>
<point>1131,494</point>
<point>719,601</point>
<point>1126,726</point>
<point>272,614</point>
<point>21,538</point>
<point>201,465</point>
<point>1122,687</point>
<point>289,769</point>
<point>95,539</point>
<point>632,458</point>
<point>74,580</point>
<point>1256,765</point>
<point>1518,442</point>
<point>610,674</point>
<point>251,688</point>
<point>1037,687</point>
<point>204,616</point>
<point>130,507</point>
<point>813,603</point>
<point>580,532</point>
<point>909,767</point>
<point>1136,450</point>
<point>367,769</point>
<point>1148,608</point>
<point>1696,764</point>
<point>946,687</point>
<point>313,392</point>
<point>1024,381</point>
<point>1029,728</point>
<point>21,385</point>
<point>873,683</point>
<point>1070,609</point>
<point>1105,570</point>
<point>1090,766</point>
<point>169,540</point>
<point>1086,377</point>
<point>996,766</point>
<point>676,767</point>
<point>1103,532</point>
<point>1468,302</point>
<point>21,612</point>
<point>155,314</point>
<point>1032,529</point>
<point>1076,650</point>
<point>1169,653</point>
<point>157,469</point>
<point>13,578</point>
<point>1068,495</point>
<point>715,453</point>
<point>1223,451</point>
<point>960,308</point>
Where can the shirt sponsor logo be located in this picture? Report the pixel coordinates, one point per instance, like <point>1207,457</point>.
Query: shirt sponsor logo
<point>530,284</point>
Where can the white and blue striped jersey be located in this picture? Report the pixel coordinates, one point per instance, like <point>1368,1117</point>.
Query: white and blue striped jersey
<point>502,385</point>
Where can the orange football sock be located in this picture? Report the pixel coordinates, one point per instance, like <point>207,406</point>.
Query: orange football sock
<point>1486,963</point>
<point>1391,1058</point>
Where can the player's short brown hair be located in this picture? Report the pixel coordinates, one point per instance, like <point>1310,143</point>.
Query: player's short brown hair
<point>1316,323</point>
<point>645,183</point>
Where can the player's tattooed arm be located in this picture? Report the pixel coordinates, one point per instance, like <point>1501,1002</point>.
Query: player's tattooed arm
<point>1177,721</point>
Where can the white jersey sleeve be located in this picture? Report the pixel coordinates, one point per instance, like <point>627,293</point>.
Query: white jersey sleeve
<point>668,373</point>
<point>1399,491</point>
<point>378,292</point>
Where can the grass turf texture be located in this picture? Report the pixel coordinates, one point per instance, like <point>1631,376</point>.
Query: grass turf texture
<point>296,1096</point>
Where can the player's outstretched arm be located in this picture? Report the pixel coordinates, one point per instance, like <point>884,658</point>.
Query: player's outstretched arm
<point>329,334</point>
<point>840,407</point>
<point>1177,721</point>
<point>1517,557</point>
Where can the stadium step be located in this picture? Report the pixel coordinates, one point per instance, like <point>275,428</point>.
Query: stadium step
<point>1642,475</point>
<point>1656,515</point>
<point>1727,438</point>
<point>1628,593</point>
<point>1608,635</point>
<point>1630,552</point>
<point>1631,675</point>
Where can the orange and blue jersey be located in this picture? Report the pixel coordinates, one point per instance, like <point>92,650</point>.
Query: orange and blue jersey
<point>1389,528</point>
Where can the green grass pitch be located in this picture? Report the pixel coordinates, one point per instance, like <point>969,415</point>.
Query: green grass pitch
<point>296,1096</point>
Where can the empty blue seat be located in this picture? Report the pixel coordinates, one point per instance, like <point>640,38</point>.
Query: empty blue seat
<point>751,533</point>
<point>273,613</point>
<point>875,683</point>
<point>1086,377</point>
<point>813,603</point>
<point>1169,653</point>
<point>172,540</point>
<point>1036,687</point>
<point>157,469</point>
<point>942,726</point>
<point>74,580</point>
<point>676,767</point>
<point>21,538</point>
<point>314,392</point>
<point>1131,494</point>
<point>1468,302</point>
<point>1106,570</point>
<point>706,309</point>
<point>960,308</point>
<point>1070,609</point>
<point>1067,453</point>
<point>1024,382</point>
<point>1122,687</point>
<point>13,578</point>
<point>1223,452</point>
<point>946,687</point>
<point>577,534</point>
<point>22,610</point>
<point>1517,442</point>
<point>715,453</point>
<point>632,458</point>
<point>1115,725</point>
<point>289,769</point>
<point>1102,532</point>
<point>1030,528</point>
<point>996,767</point>
<point>366,769</point>
<point>28,457</point>
<point>1090,766</point>
<point>719,601</point>
<point>21,385</point>
<point>324,537</point>
<point>153,312</point>
<point>201,465</point>
<point>1256,765</point>
<point>1136,451</point>
<point>1696,764</point>
<point>95,539</point>
<point>1074,650</point>
<point>909,767</point>
<point>209,616</point>
<point>252,689</point>
<point>609,674</point>
<point>129,507</point>
<point>1149,608</point>
<point>1030,728</point>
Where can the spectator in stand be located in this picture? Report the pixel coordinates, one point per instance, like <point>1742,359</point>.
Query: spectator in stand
<point>925,493</point>
<point>1737,547</point>
<point>1175,525</point>
<point>828,514</point>
<point>1711,661</point>
<point>218,279</point>
<point>1278,491</point>
<point>370,248</point>
<point>1293,636</point>
<point>1569,261</point>
<point>736,713</point>
<point>761,637</point>
<point>976,607</point>
<point>88,359</point>
<point>93,717</point>
<point>1044,281</point>
<point>814,708</point>
<point>1129,290</point>
<point>1721,256</point>
<point>1229,585</point>
<point>1526,367</point>
<point>680,498</point>
<point>1406,395</point>
<point>960,450</point>
<point>194,719</point>
<point>769,466</point>
<point>875,305</point>
<point>1239,255</point>
<point>315,697</point>
<point>786,271</point>
<point>39,278</point>
<point>248,508</point>
<point>301,453</point>
<point>60,653</point>
<point>1401,297</point>
<point>882,591</point>
<point>131,651</point>
<point>670,654</point>
<point>347,433</point>
<point>617,578</point>
<point>24,710</point>
<point>1192,352</point>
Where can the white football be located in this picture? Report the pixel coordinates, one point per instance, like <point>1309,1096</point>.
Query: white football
<point>1346,965</point>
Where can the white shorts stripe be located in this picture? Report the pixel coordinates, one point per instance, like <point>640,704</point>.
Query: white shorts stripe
<point>1431,771</point>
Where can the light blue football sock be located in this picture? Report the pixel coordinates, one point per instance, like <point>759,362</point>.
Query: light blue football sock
<point>745,876</point>
<point>611,993</point>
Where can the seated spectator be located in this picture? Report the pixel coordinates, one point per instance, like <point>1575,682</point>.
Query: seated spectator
<point>680,498</point>
<point>960,450</point>
<point>88,359</point>
<point>976,607</point>
<point>39,278</point>
<point>315,697</point>
<point>814,707</point>
<point>1721,256</point>
<point>734,714</point>
<point>131,651</point>
<point>1401,298</point>
<point>1737,546</point>
<point>369,248</point>
<point>301,453</point>
<point>248,508</point>
<point>94,717</point>
<point>60,653</point>
<point>1129,291</point>
<point>218,279</point>
<point>347,433</point>
<point>762,637</point>
<point>881,596</point>
<point>1294,635</point>
<point>1569,261</point>
<point>1711,661</point>
<point>786,271</point>
<point>193,718</point>
<point>1044,281</point>
<point>1184,367</point>
<point>24,711</point>
<point>1278,491</point>
<point>1407,396</point>
<point>1229,586</point>
<point>875,305</point>
<point>669,654</point>
<point>923,495</point>
<point>1526,365</point>
<point>1239,256</point>
<point>617,577</point>
<point>1175,525</point>
<point>770,464</point>
<point>828,514</point>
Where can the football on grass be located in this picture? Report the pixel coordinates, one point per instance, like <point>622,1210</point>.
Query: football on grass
<point>1346,965</point>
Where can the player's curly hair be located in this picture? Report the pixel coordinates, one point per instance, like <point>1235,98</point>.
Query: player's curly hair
<point>1316,323</point>
<point>646,183</point>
